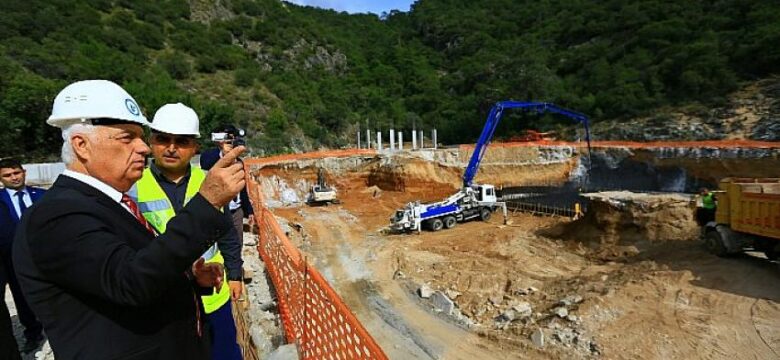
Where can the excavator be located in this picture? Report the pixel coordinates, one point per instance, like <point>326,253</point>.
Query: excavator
<point>473,200</point>
<point>321,193</point>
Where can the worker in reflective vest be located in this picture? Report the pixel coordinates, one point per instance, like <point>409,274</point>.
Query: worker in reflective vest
<point>707,207</point>
<point>165,187</point>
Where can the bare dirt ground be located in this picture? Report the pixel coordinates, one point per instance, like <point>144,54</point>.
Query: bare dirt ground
<point>533,279</point>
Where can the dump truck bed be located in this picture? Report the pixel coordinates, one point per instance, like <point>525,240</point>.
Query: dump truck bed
<point>750,205</point>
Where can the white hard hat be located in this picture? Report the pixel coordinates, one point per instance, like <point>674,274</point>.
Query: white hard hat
<point>176,119</point>
<point>87,100</point>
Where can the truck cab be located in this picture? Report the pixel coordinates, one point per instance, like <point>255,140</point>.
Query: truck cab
<point>485,193</point>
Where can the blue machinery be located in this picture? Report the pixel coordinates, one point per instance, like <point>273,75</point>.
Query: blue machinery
<point>492,122</point>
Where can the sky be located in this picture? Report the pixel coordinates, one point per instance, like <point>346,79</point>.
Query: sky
<point>358,6</point>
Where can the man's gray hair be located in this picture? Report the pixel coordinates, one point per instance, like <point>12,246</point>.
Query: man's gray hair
<point>68,156</point>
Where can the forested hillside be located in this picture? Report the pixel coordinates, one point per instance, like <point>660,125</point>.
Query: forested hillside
<point>300,78</point>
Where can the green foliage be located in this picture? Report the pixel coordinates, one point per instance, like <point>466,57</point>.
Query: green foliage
<point>176,64</point>
<point>317,73</point>
<point>24,108</point>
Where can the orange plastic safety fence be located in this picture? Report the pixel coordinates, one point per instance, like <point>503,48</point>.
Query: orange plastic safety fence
<point>312,314</point>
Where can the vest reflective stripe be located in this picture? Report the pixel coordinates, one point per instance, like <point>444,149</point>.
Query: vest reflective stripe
<point>211,253</point>
<point>157,205</point>
<point>158,210</point>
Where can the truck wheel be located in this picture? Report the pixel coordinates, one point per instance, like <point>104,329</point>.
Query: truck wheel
<point>449,222</point>
<point>436,224</point>
<point>484,214</point>
<point>714,243</point>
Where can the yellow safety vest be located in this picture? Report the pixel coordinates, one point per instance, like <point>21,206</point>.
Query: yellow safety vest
<point>158,210</point>
<point>708,201</point>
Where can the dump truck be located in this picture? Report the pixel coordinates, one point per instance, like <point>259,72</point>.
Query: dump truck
<point>747,217</point>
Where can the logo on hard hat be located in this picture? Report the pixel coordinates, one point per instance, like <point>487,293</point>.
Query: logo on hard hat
<point>132,107</point>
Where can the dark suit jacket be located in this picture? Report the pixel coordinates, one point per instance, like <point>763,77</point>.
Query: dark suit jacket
<point>8,217</point>
<point>102,285</point>
<point>207,160</point>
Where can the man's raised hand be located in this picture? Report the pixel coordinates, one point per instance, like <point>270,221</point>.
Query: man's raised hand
<point>224,180</point>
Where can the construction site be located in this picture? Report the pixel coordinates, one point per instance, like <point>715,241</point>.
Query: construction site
<point>593,260</point>
<point>533,248</point>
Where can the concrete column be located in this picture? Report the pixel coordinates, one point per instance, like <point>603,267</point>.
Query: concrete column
<point>379,140</point>
<point>392,139</point>
<point>358,133</point>
<point>435,140</point>
<point>422,139</point>
<point>400,140</point>
<point>368,139</point>
<point>414,139</point>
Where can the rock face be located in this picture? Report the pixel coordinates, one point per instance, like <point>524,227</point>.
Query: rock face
<point>206,11</point>
<point>332,61</point>
<point>620,223</point>
<point>751,113</point>
<point>767,129</point>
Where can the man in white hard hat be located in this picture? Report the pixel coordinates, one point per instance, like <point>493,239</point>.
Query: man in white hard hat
<point>166,186</point>
<point>100,279</point>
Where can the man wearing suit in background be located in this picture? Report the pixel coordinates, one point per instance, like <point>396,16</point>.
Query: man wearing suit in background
<point>240,207</point>
<point>8,347</point>
<point>104,284</point>
<point>16,198</point>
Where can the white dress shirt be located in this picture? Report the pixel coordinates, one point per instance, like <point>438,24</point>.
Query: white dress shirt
<point>97,184</point>
<point>15,199</point>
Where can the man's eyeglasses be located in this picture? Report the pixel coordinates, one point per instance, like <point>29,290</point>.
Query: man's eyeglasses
<point>176,139</point>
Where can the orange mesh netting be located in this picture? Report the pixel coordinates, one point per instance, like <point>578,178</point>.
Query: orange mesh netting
<point>312,314</point>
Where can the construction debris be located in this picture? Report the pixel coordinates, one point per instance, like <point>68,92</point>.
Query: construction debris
<point>537,337</point>
<point>425,291</point>
<point>285,352</point>
<point>442,303</point>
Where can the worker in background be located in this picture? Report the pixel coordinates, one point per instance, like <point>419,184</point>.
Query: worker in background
<point>16,198</point>
<point>705,211</point>
<point>166,186</point>
<point>240,207</point>
<point>103,283</point>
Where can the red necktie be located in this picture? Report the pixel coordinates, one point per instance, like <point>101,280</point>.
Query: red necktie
<point>134,209</point>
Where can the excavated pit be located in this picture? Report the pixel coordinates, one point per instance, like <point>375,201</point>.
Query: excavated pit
<point>627,280</point>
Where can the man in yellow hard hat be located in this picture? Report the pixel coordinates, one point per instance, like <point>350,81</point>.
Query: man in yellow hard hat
<point>102,282</point>
<point>166,186</point>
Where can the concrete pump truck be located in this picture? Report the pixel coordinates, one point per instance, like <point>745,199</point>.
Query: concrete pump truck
<point>472,200</point>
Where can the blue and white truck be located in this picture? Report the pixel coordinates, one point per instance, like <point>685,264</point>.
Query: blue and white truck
<point>472,200</point>
<point>478,201</point>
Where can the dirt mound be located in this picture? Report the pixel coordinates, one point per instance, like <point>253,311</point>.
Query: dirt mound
<point>622,223</point>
